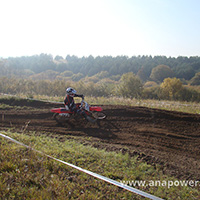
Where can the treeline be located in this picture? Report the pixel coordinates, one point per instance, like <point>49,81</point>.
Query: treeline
<point>142,77</point>
<point>72,68</point>
<point>128,86</point>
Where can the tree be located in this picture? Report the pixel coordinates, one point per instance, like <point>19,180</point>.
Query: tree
<point>184,71</point>
<point>57,58</point>
<point>142,74</point>
<point>77,77</point>
<point>46,75</point>
<point>196,79</point>
<point>67,73</point>
<point>3,70</point>
<point>150,84</point>
<point>171,88</point>
<point>130,86</point>
<point>161,72</point>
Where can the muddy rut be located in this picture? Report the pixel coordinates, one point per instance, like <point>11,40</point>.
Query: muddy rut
<point>170,139</point>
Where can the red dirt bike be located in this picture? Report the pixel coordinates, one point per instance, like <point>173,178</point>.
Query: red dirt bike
<point>93,113</point>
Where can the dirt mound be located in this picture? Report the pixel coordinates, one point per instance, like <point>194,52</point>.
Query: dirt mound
<point>171,139</point>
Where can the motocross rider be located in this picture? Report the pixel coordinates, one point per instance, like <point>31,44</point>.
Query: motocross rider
<point>69,99</point>
<point>70,104</point>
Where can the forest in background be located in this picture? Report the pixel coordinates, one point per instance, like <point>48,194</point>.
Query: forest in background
<point>44,66</point>
<point>146,77</point>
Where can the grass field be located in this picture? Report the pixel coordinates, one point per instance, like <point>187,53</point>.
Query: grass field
<point>188,107</point>
<point>25,174</point>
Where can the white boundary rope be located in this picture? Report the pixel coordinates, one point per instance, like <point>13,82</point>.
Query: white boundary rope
<point>131,189</point>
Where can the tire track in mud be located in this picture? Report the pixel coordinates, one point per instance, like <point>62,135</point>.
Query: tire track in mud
<point>171,139</point>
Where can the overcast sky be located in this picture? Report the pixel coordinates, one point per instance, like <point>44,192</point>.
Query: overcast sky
<point>100,27</point>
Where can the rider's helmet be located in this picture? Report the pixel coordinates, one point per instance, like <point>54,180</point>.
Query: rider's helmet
<point>70,91</point>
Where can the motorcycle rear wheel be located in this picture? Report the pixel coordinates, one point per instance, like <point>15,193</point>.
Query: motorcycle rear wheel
<point>60,119</point>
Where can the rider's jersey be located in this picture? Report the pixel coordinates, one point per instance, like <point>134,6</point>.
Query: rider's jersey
<point>69,101</point>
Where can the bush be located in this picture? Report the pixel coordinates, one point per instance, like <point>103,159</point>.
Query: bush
<point>150,84</point>
<point>189,95</point>
<point>196,79</point>
<point>151,93</point>
<point>129,86</point>
<point>171,88</point>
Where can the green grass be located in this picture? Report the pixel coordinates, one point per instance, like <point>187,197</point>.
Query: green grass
<point>187,107</point>
<point>25,174</point>
<point>8,107</point>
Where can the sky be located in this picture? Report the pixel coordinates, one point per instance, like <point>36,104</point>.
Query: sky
<point>100,28</point>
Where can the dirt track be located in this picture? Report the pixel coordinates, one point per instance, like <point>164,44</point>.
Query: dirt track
<point>171,139</point>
